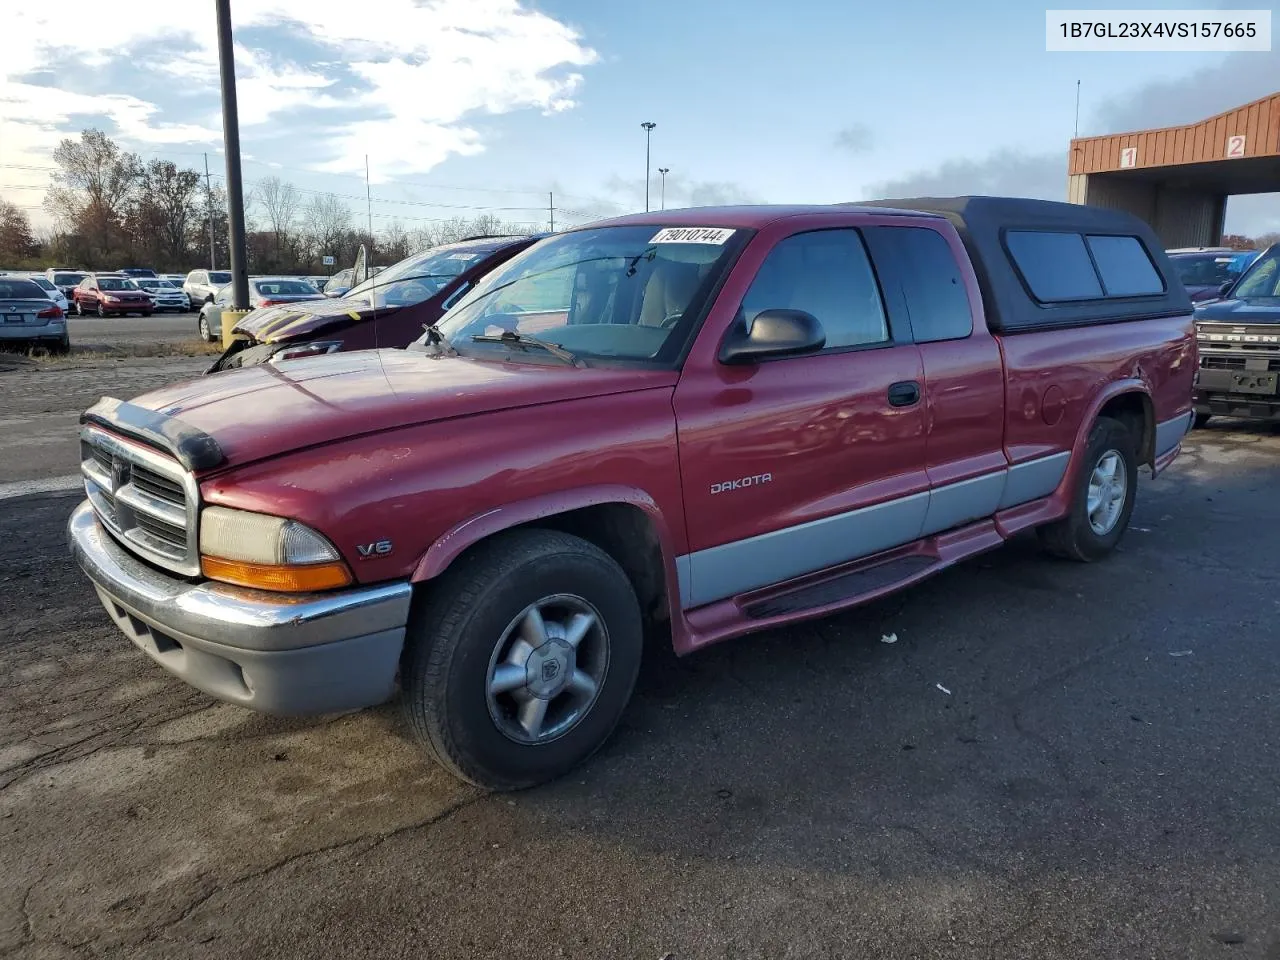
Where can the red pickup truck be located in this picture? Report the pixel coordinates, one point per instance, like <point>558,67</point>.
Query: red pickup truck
<point>723,420</point>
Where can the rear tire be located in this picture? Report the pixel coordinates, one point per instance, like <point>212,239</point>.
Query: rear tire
<point>505,716</point>
<point>1103,499</point>
<point>1202,420</point>
<point>203,327</point>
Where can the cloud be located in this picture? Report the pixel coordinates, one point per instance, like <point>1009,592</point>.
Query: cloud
<point>1236,79</point>
<point>855,138</point>
<point>1008,173</point>
<point>411,73</point>
<point>626,194</point>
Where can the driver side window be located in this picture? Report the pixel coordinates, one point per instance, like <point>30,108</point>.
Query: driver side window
<point>826,273</point>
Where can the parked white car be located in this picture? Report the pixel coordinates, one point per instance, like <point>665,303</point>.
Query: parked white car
<point>50,290</point>
<point>201,286</point>
<point>165,293</point>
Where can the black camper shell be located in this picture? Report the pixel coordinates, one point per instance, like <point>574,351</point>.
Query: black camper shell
<point>1044,264</point>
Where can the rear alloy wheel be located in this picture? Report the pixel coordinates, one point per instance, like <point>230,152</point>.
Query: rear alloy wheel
<point>520,659</point>
<point>1104,497</point>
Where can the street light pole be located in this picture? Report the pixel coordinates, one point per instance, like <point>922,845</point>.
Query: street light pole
<point>648,130</point>
<point>231,141</point>
<point>662,202</point>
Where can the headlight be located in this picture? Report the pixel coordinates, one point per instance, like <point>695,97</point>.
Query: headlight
<point>109,298</point>
<point>315,348</point>
<point>268,553</point>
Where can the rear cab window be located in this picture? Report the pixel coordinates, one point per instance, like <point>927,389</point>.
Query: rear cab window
<point>1061,267</point>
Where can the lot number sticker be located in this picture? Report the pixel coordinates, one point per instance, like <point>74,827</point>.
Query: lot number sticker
<point>1235,146</point>
<point>1129,157</point>
<point>715,235</point>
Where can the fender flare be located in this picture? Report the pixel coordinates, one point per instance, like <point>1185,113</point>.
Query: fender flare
<point>471,531</point>
<point>1137,385</point>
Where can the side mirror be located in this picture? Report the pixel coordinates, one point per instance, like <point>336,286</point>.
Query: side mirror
<point>1222,290</point>
<point>773,333</point>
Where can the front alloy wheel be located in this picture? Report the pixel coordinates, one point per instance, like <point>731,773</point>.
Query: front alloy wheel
<point>547,669</point>
<point>520,659</point>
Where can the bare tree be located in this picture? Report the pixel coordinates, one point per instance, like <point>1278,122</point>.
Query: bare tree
<point>280,202</point>
<point>394,244</point>
<point>328,220</point>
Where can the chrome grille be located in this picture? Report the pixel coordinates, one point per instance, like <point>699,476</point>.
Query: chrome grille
<point>144,498</point>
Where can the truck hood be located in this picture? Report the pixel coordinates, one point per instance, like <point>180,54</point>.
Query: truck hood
<point>301,320</point>
<point>1247,310</point>
<point>267,410</point>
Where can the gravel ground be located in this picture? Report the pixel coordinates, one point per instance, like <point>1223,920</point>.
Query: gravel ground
<point>1099,778</point>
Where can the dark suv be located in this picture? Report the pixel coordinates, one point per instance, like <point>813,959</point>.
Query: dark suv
<point>387,310</point>
<point>1239,343</point>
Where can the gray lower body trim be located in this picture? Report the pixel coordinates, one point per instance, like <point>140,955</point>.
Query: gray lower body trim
<point>1169,433</point>
<point>957,503</point>
<point>1033,479</point>
<point>725,570</point>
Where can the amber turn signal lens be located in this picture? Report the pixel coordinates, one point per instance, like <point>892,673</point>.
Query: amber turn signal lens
<point>302,578</point>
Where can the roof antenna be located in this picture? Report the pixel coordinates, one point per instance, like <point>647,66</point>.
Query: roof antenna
<point>1077,133</point>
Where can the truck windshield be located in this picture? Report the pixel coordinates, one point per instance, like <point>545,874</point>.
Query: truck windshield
<point>1262,278</point>
<point>630,293</point>
<point>416,278</point>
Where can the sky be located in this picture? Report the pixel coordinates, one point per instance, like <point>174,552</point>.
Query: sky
<point>476,106</point>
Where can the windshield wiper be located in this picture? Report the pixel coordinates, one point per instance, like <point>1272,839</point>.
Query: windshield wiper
<point>524,340</point>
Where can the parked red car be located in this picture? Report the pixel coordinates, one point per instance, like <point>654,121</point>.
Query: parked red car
<point>111,294</point>
<point>720,420</point>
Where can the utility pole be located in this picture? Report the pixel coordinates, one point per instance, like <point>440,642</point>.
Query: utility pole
<point>663,195</point>
<point>231,140</point>
<point>648,131</point>
<point>208,205</point>
<point>551,208</point>
<point>1077,133</point>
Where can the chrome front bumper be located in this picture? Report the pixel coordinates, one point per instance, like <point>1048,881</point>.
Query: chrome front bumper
<point>276,653</point>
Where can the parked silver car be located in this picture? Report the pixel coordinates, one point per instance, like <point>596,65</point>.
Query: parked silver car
<point>28,318</point>
<point>202,286</point>
<point>263,292</point>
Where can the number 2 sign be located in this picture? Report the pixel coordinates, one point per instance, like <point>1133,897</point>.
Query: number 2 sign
<point>1235,147</point>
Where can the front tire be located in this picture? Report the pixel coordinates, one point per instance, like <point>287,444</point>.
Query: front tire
<point>1201,421</point>
<point>520,660</point>
<point>102,313</point>
<point>1103,499</point>
<point>203,327</point>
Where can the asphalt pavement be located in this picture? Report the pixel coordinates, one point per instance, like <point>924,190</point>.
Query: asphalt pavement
<point>1050,760</point>
<point>115,331</point>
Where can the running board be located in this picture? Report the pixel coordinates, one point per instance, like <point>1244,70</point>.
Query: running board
<point>846,587</point>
